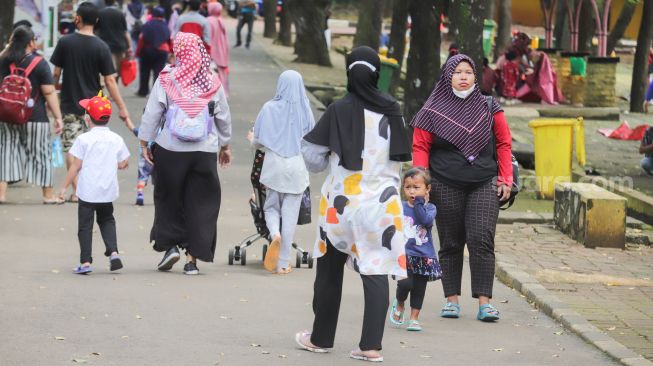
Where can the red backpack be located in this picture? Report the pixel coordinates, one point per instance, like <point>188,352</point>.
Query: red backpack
<point>16,103</point>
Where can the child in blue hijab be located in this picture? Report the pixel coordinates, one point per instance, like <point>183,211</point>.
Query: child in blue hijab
<point>278,131</point>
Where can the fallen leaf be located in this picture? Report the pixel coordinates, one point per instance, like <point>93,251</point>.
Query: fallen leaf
<point>504,301</point>
<point>283,356</point>
<point>498,349</point>
<point>224,317</point>
<point>612,328</point>
<point>559,333</point>
<point>255,345</point>
<point>426,356</point>
<point>556,356</point>
<point>125,337</point>
<point>59,338</point>
<point>96,354</point>
<point>79,360</point>
<point>139,317</point>
<point>82,317</point>
<point>265,352</point>
<point>55,271</point>
<point>243,300</point>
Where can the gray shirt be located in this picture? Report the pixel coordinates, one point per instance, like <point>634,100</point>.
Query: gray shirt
<point>154,118</point>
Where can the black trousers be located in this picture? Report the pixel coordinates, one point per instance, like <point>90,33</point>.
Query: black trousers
<point>151,61</point>
<point>186,202</point>
<point>415,285</point>
<point>86,212</point>
<point>326,302</point>
<point>466,216</point>
<point>242,19</point>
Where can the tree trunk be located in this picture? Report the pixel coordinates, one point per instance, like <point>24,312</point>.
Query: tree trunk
<point>285,27</point>
<point>424,56</point>
<point>368,29</point>
<point>309,18</point>
<point>561,28</point>
<point>397,47</point>
<point>625,16</point>
<point>6,22</point>
<point>469,15</point>
<point>270,16</point>
<point>640,67</point>
<point>504,27</point>
<point>491,9</point>
<point>587,28</point>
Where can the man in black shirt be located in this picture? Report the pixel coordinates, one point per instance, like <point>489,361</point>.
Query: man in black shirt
<point>83,57</point>
<point>112,29</point>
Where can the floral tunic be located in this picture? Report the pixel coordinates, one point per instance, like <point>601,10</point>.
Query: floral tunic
<point>361,211</point>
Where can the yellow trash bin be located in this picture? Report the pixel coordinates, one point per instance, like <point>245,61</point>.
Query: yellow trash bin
<point>553,151</point>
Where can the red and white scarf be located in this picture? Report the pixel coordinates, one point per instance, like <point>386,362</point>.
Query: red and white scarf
<point>190,83</point>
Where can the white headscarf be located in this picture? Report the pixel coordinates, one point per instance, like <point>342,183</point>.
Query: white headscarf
<point>283,121</point>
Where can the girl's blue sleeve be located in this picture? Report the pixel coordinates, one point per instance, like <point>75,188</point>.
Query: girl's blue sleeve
<point>424,212</point>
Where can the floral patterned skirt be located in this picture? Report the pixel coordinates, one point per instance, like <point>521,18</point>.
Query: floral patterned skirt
<point>427,267</point>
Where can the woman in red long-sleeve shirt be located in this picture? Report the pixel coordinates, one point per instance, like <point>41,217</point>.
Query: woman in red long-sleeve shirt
<point>463,139</point>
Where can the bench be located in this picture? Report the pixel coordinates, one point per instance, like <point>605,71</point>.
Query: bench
<point>591,215</point>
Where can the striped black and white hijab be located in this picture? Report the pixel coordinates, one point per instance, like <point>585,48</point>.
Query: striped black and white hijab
<point>464,122</point>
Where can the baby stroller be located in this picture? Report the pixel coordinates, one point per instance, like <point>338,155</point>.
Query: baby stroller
<point>239,252</point>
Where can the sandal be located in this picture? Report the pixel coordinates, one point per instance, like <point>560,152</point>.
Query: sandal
<point>414,326</point>
<point>487,313</point>
<point>283,271</point>
<point>450,310</point>
<point>394,313</point>
<point>357,354</point>
<point>302,345</point>
<point>53,201</point>
<point>73,198</point>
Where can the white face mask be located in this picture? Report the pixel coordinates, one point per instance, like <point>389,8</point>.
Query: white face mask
<point>464,93</point>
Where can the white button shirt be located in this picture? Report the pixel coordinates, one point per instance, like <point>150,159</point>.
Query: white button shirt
<point>100,151</point>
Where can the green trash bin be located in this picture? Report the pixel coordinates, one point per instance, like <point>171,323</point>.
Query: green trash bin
<point>488,36</point>
<point>578,66</point>
<point>385,75</point>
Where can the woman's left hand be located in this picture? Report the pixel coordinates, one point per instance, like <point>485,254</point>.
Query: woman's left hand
<point>503,192</point>
<point>224,157</point>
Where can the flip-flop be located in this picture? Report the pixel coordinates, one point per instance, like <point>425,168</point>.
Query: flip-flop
<point>357,354</point>
<point>284,271</point>
<point>73,200</point>
<point>53,201</point>
<point>394,312</point>
<point>298,340</point>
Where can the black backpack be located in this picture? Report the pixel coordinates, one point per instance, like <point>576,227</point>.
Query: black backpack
<point>504,205</point>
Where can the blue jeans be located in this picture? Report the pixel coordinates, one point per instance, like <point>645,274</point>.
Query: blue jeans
<point>647,165</point>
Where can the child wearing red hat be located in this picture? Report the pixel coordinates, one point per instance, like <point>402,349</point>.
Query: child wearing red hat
<point>98,154</point>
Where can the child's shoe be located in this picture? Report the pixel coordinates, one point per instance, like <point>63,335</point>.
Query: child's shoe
<point>82,269</point>
<point>115,263</point>
<point>140,199</point>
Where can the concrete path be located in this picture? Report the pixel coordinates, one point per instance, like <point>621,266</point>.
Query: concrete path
<point>229,315</point>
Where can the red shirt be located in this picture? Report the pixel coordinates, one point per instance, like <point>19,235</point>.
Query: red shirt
<point>422,141</point>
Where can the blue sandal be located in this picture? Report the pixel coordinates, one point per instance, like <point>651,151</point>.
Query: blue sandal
<point>413,326</point>
<point>450,310</point>
<point>394,312</point>
<point>487,313</point>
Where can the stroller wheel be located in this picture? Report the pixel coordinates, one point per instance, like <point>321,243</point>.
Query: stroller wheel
<point>298,261</point>
<point>310,260</point>
<point>231,256</point>
<point>243,256</point>
<point>265,251</point>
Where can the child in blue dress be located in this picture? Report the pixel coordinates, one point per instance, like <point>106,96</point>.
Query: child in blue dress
<point>422,263</point>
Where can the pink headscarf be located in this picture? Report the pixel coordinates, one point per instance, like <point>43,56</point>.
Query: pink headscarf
<point>190,82</point>
<point>219,42</point>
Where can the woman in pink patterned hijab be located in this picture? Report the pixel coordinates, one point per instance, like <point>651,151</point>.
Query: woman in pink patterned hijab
<point>219,43</point>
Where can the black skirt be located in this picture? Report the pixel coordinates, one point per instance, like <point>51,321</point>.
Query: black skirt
<point>186,202</point>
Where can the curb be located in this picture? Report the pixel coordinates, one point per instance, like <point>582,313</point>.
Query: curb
<point>551,305</point>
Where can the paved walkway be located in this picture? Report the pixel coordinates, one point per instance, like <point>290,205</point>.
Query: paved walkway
<point>228,315</point>
<point>611,288</point>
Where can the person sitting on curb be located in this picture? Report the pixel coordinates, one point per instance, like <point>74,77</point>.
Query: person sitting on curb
<point>646,148</point>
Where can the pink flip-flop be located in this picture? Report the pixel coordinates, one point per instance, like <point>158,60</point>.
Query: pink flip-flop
<point>298,340</point>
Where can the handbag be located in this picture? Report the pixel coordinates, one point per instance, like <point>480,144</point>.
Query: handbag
<point>128,71</point>
<point>305,208</point>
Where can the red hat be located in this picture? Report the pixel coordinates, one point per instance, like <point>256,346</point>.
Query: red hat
<point>98,107</point>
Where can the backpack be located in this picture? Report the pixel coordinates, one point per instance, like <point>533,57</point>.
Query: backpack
<point>504,205</point>
<point>187,129</point>
<point>16,102</point>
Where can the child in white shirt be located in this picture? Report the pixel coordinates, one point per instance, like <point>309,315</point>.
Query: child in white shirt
<point>98,153</point>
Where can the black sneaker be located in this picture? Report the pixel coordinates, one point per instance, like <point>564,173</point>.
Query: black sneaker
<point>169,259</point>
<point>115,263</point>
<point>191,269</point>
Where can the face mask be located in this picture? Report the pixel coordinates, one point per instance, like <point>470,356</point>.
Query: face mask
<point>464,93</point>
